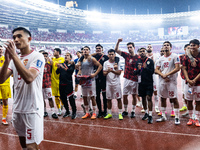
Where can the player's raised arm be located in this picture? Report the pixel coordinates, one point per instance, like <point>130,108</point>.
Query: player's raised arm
<point>117,46</point>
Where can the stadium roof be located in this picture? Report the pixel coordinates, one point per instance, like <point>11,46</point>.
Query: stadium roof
<point>42,14</point>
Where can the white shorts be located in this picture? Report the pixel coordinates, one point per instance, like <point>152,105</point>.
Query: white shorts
<point>130,87</point>
<point>113,92</point>
<point>195,93</point>
<point>90,90</point>
<point>183,85</point>
<point>168,90</point>
<point>47,93</point>
<point>155,82</point>
<point>30,126</point>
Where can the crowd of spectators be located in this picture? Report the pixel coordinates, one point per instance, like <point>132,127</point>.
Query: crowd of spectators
<point>54,36</point>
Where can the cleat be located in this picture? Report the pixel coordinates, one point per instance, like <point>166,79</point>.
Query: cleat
<point>59,112</point>
<point>66,114</point>
<point>145,116</point>
<point>108,116</point>
<point>125,113</point>
<point>83,108</point>
<point>120,117</point>
<point>99,115</point>
<point>190,122</point>
<point>45,114</point>
<point>87,115</point>
<point>142,111</point>
<point>177,121</point>
<point>4,122</point>
<point>183,108</point>
<point>197,124</point>
<point>73,116</point>
<point>94,116</point>
<point>132,114</point>
<point>157,110</point>
<point>160,113</point>
<point>161,119</point>
<point>150,120</point>
<point>185,114</point>
<point>172,114</point>
<point>54,116</point>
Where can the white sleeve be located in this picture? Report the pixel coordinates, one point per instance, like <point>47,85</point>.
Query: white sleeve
<point>105,66</point>
<point>158,62</point>
<point>176,59</point>
<point>38,62</point>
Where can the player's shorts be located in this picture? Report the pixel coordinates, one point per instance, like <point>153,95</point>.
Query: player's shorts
<point>55,88</point>
<point>145,89</point>
<point>47,93</point>
<point>30,126</point>
<point>155,82</point>
<point>5,92</point>
<point>130,87</point>
<point>183,85</point>
<point>168,90</point>
<point>113,92</point>
<point>76,81</point>
<point>89,89</point>
<point>195,95</point>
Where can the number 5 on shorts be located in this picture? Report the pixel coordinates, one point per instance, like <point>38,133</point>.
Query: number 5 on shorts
<point>29,134</point>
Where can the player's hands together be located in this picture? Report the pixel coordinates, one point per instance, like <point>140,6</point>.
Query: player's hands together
<point>10,48</point>
<point>191,82</point>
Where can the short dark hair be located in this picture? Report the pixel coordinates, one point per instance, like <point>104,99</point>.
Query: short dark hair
<point>81,48</point>
<point>111,50</point>
<point>78,52</point>
<point>98,45</point>
<point>58,50</point>
<point>186,45</point>
<point>130,43</point>
<point>69,54</point>
<point>168,43</point>
<point>22,28</point>
<point>86,47</point>
<point>45,53</point>
<point>141,49</point>
<point>195,41</point>
<point>1,46</point>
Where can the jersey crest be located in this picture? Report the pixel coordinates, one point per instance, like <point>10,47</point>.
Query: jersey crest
<point>25,62</point>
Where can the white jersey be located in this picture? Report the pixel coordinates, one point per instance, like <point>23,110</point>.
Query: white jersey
<point>28,98</point>
<point>111,78</point>
<point>154,57</point>
<point>167,64</point>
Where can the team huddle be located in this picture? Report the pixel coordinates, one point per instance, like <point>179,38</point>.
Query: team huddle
<point>37,77</point>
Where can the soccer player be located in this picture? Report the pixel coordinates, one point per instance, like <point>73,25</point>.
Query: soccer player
<point>55,78</point>
<point>192,77</point>
<point>46,86</point>
<point>66,70</point>
<point>89,87</point>
<point>130,81</point>
<point>79,54</point>
<point>28,105</point>
<point>144,69</point>
<point>167,67</point>
<point>186,47</point>
<point>5,91</point>
<point>154,57</point>
<point>113,85</point>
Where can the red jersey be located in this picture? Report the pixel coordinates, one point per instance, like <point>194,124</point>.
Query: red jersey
<point>130,62</point>
<point>181,62</point>
<point>192,71</point>
<point>47,76</point>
